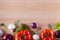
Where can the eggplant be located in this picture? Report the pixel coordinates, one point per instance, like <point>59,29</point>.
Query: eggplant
<point>57,34</point>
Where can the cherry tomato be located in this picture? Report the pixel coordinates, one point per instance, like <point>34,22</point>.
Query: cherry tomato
<point>23,35</point>
<point>46,34</point>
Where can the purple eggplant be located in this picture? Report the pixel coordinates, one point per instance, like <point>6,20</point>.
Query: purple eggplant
<point>57,34</point>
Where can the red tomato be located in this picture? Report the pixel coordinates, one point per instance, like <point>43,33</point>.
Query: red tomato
<point>24,33</point>
<point>46,34</point>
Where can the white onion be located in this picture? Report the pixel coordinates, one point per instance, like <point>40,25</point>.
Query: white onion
<point>36,37</point>
<point>11,26</point>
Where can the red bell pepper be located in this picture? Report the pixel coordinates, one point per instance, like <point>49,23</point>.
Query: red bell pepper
<point>23,35</point>
<point>46,34</point>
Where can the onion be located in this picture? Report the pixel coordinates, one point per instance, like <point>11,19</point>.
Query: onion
<point>1,32</point>
<point>7,37</point>
<point>34,25</point>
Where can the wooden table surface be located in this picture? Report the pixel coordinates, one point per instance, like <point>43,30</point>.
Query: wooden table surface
<point>29,8</point>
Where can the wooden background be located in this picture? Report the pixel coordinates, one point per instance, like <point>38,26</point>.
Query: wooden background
<point>29,8</point>
<point>42,12</point>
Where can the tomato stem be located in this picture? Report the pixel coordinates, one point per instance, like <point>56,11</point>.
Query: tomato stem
<point>46,35</point>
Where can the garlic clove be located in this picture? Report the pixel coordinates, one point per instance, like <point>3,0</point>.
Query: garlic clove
<point>11,26</point>
<point>36,37</point>
<point>1,32</point>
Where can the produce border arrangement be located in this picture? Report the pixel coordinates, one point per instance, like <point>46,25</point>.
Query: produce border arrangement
<point>22,31</point>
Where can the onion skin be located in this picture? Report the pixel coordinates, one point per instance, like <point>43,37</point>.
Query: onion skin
<point>7,37</point>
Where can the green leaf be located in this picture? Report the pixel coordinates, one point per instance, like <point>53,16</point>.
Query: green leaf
<point>21,27</point>
<point>24,26</point>
<point>17,29</point>
<point>57,25</point>
<point>16,22</point>
<point>50,26</point>
<point>58,28</point>
<point>31,32</point>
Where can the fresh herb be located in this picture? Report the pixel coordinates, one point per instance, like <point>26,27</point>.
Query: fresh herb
<point>20,27</point>
<point>50,26</point>
<point>17,22</point>
<point>17,29</point>
<point>24,27</point>
<point>57,25</point>
<point>31,32</point>
<point>39,28</point>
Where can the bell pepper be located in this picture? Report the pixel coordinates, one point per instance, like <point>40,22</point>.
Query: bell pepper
<point>46,34</point>
<point>23,35</point>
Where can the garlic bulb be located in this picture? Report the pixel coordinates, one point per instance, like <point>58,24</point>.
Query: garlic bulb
<point>36,37</point>
<point>1,32</point>
<point>11,26</point>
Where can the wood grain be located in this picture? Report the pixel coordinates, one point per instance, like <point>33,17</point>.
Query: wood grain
<point>29,8</point>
